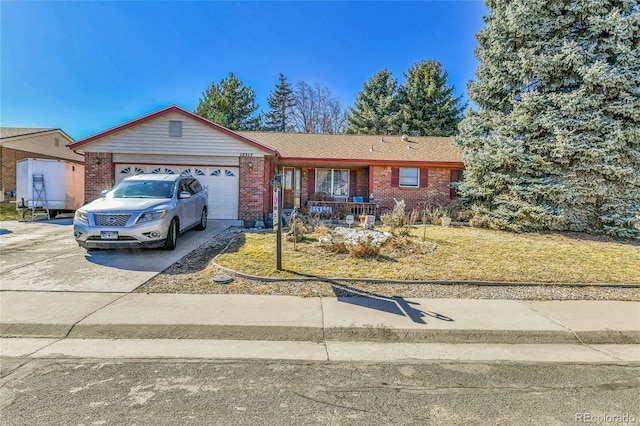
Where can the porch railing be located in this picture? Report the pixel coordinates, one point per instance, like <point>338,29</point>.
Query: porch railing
<point>331,208</point>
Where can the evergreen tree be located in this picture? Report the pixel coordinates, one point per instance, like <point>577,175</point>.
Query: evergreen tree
<point>555,140</point>
<point>428,105</point>
<point>281,101</point>
<point>377,107</point>
<point>230,104</point>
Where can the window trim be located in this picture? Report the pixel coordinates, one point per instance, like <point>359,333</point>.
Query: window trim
<point>332,194</point>
<point>400,177</point>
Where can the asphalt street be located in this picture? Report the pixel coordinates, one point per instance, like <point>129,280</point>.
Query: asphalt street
<point>209,392</point>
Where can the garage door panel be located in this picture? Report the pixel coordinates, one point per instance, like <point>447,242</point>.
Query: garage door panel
<point>222,184</point>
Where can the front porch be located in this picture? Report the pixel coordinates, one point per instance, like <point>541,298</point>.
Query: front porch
<point>342,208</point>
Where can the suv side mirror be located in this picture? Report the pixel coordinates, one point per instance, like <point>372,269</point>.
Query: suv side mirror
<point>184,194</point>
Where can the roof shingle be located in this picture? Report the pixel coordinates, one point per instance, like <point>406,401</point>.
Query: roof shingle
<point>12,132</point>
<point>364,148</point>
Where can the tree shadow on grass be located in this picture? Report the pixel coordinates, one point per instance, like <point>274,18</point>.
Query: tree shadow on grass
<point>581,236</point>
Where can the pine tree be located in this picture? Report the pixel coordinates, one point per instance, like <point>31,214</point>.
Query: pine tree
<point>555,140</point>
<point>377,107</point>
<point>429,107</point>
<point>230,104</point>
<point>281,101</point>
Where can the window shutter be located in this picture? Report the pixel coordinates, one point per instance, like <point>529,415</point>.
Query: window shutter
<point>454,177</point>
<point>424,178</point>
<point>311,181</point>
<point>395,177</point>
<point>353,183</point>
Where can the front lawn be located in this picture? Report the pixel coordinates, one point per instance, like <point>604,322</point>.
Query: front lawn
<point>449,253</point>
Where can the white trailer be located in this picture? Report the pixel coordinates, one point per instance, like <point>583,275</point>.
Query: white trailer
<point>63,185</point>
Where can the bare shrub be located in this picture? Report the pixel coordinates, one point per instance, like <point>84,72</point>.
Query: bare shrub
<point>459,211</point>
<point>395,219</point>
<point>337,248</point>
<point>341,212</point>
<point>398,221</point>
<point>364,250</point>
<point>406,246</point>
<point>321,229</point>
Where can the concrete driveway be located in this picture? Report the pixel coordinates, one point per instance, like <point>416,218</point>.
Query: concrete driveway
<point>43,256</point>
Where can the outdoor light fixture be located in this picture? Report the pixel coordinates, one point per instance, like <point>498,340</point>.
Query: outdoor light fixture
<point>381,140</point>
<point>98,162</point>
<point>372,150</point>
<point>250,165</point>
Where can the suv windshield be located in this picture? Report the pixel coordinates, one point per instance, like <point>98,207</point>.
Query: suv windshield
<point>143,189</point>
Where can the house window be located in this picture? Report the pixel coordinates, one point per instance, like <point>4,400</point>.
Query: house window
<point>409,178</point>
<point>175,129</point>
<point>334,182</point>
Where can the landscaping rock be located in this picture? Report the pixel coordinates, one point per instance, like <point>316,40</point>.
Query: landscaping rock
<point>353,237</point>
<point>325,239</point>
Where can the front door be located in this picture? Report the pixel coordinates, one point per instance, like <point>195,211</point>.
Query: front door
<point>290,188</point>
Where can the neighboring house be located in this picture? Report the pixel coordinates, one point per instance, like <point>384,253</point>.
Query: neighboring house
<point>19,143</point>
<point>237,167</point>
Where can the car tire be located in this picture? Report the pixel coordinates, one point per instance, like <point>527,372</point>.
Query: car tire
<point>203,220</point>
<point>172,236</point>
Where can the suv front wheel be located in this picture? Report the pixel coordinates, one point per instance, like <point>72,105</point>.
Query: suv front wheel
<point>172,236</point>
<point>203,220</point>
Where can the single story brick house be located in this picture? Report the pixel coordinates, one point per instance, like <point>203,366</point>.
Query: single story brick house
<point>237,167</point>
<point>19,143</point>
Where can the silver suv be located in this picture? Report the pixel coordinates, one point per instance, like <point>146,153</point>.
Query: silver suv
<point>148,210</point>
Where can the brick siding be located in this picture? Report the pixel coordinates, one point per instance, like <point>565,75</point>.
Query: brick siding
<point>254,182</point>
<point>97,177</point>
<point>414,198</point>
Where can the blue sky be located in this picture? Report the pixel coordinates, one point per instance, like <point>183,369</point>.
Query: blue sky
<point>85,67</point>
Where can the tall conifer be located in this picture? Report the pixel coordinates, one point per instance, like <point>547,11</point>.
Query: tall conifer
<point>377,107</point>
<point>429,107</point>
<point>231,104</point>
<point>281,101</point>
<point>554,142</point>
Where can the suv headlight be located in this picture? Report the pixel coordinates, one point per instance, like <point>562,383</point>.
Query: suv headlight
<point>154,215</point>
<point>81,216</point>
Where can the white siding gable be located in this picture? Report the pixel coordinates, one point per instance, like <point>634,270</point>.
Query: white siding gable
<point>152,137</point>
<point>44,144</point>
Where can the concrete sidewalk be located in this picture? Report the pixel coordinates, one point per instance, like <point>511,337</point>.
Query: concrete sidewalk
<point>316,320</point>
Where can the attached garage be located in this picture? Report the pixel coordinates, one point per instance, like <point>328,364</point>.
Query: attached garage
<point>222,183</point>
<point>176,141</point>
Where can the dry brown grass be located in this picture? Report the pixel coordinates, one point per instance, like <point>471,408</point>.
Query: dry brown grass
<point>452,254</point>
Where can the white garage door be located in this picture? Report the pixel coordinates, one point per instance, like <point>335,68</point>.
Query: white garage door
<point>222,183</point>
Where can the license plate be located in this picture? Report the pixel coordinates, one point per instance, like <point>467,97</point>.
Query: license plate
<point>108,235</point>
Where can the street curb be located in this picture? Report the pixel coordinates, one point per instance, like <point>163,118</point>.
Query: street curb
<point>34,330</point>
<point>319,334</point>
<point>196,331</point>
